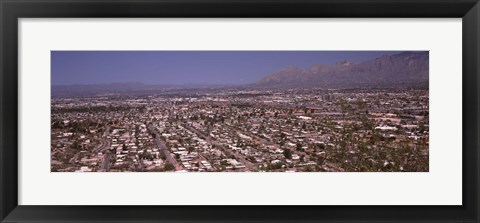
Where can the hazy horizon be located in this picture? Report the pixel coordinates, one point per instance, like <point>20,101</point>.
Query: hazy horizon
<point>187,68</point>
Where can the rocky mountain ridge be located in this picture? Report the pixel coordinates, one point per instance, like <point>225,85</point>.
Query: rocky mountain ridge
<point>403,69</point>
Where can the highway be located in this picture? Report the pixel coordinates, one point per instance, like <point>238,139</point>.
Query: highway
<point>105,145</point>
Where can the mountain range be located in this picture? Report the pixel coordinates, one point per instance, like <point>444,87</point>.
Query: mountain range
<point>407,69</point>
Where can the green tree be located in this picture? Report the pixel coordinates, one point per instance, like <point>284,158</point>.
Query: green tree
<point>287,153</point>
<point>299,146</point>
<point>168,167</point>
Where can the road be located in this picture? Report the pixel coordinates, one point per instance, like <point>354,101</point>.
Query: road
<point>239,156</point>
<point>104,144</point>
<point>106,161</point>
<point>258,138</point>
<point>163,148</point>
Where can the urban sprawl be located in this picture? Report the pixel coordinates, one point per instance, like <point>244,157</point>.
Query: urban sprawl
<point>242,130</point>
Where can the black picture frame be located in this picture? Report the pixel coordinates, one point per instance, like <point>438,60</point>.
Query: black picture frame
<point>12,10</point>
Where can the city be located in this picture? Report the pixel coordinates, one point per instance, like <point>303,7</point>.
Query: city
<point>239,129</point>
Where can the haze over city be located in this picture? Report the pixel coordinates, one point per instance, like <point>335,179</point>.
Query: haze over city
<point>188,67</point>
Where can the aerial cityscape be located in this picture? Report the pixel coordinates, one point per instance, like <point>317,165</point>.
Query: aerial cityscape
<point>240,111</point>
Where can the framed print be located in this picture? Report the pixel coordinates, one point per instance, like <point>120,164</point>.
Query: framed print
<point>174,111</point>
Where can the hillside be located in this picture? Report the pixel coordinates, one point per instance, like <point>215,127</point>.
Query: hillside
<point>404,69</point>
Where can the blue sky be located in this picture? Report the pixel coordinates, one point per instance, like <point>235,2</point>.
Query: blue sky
<point>187,67</point>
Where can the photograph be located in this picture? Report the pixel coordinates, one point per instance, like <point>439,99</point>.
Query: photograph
<point>239,111</point>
